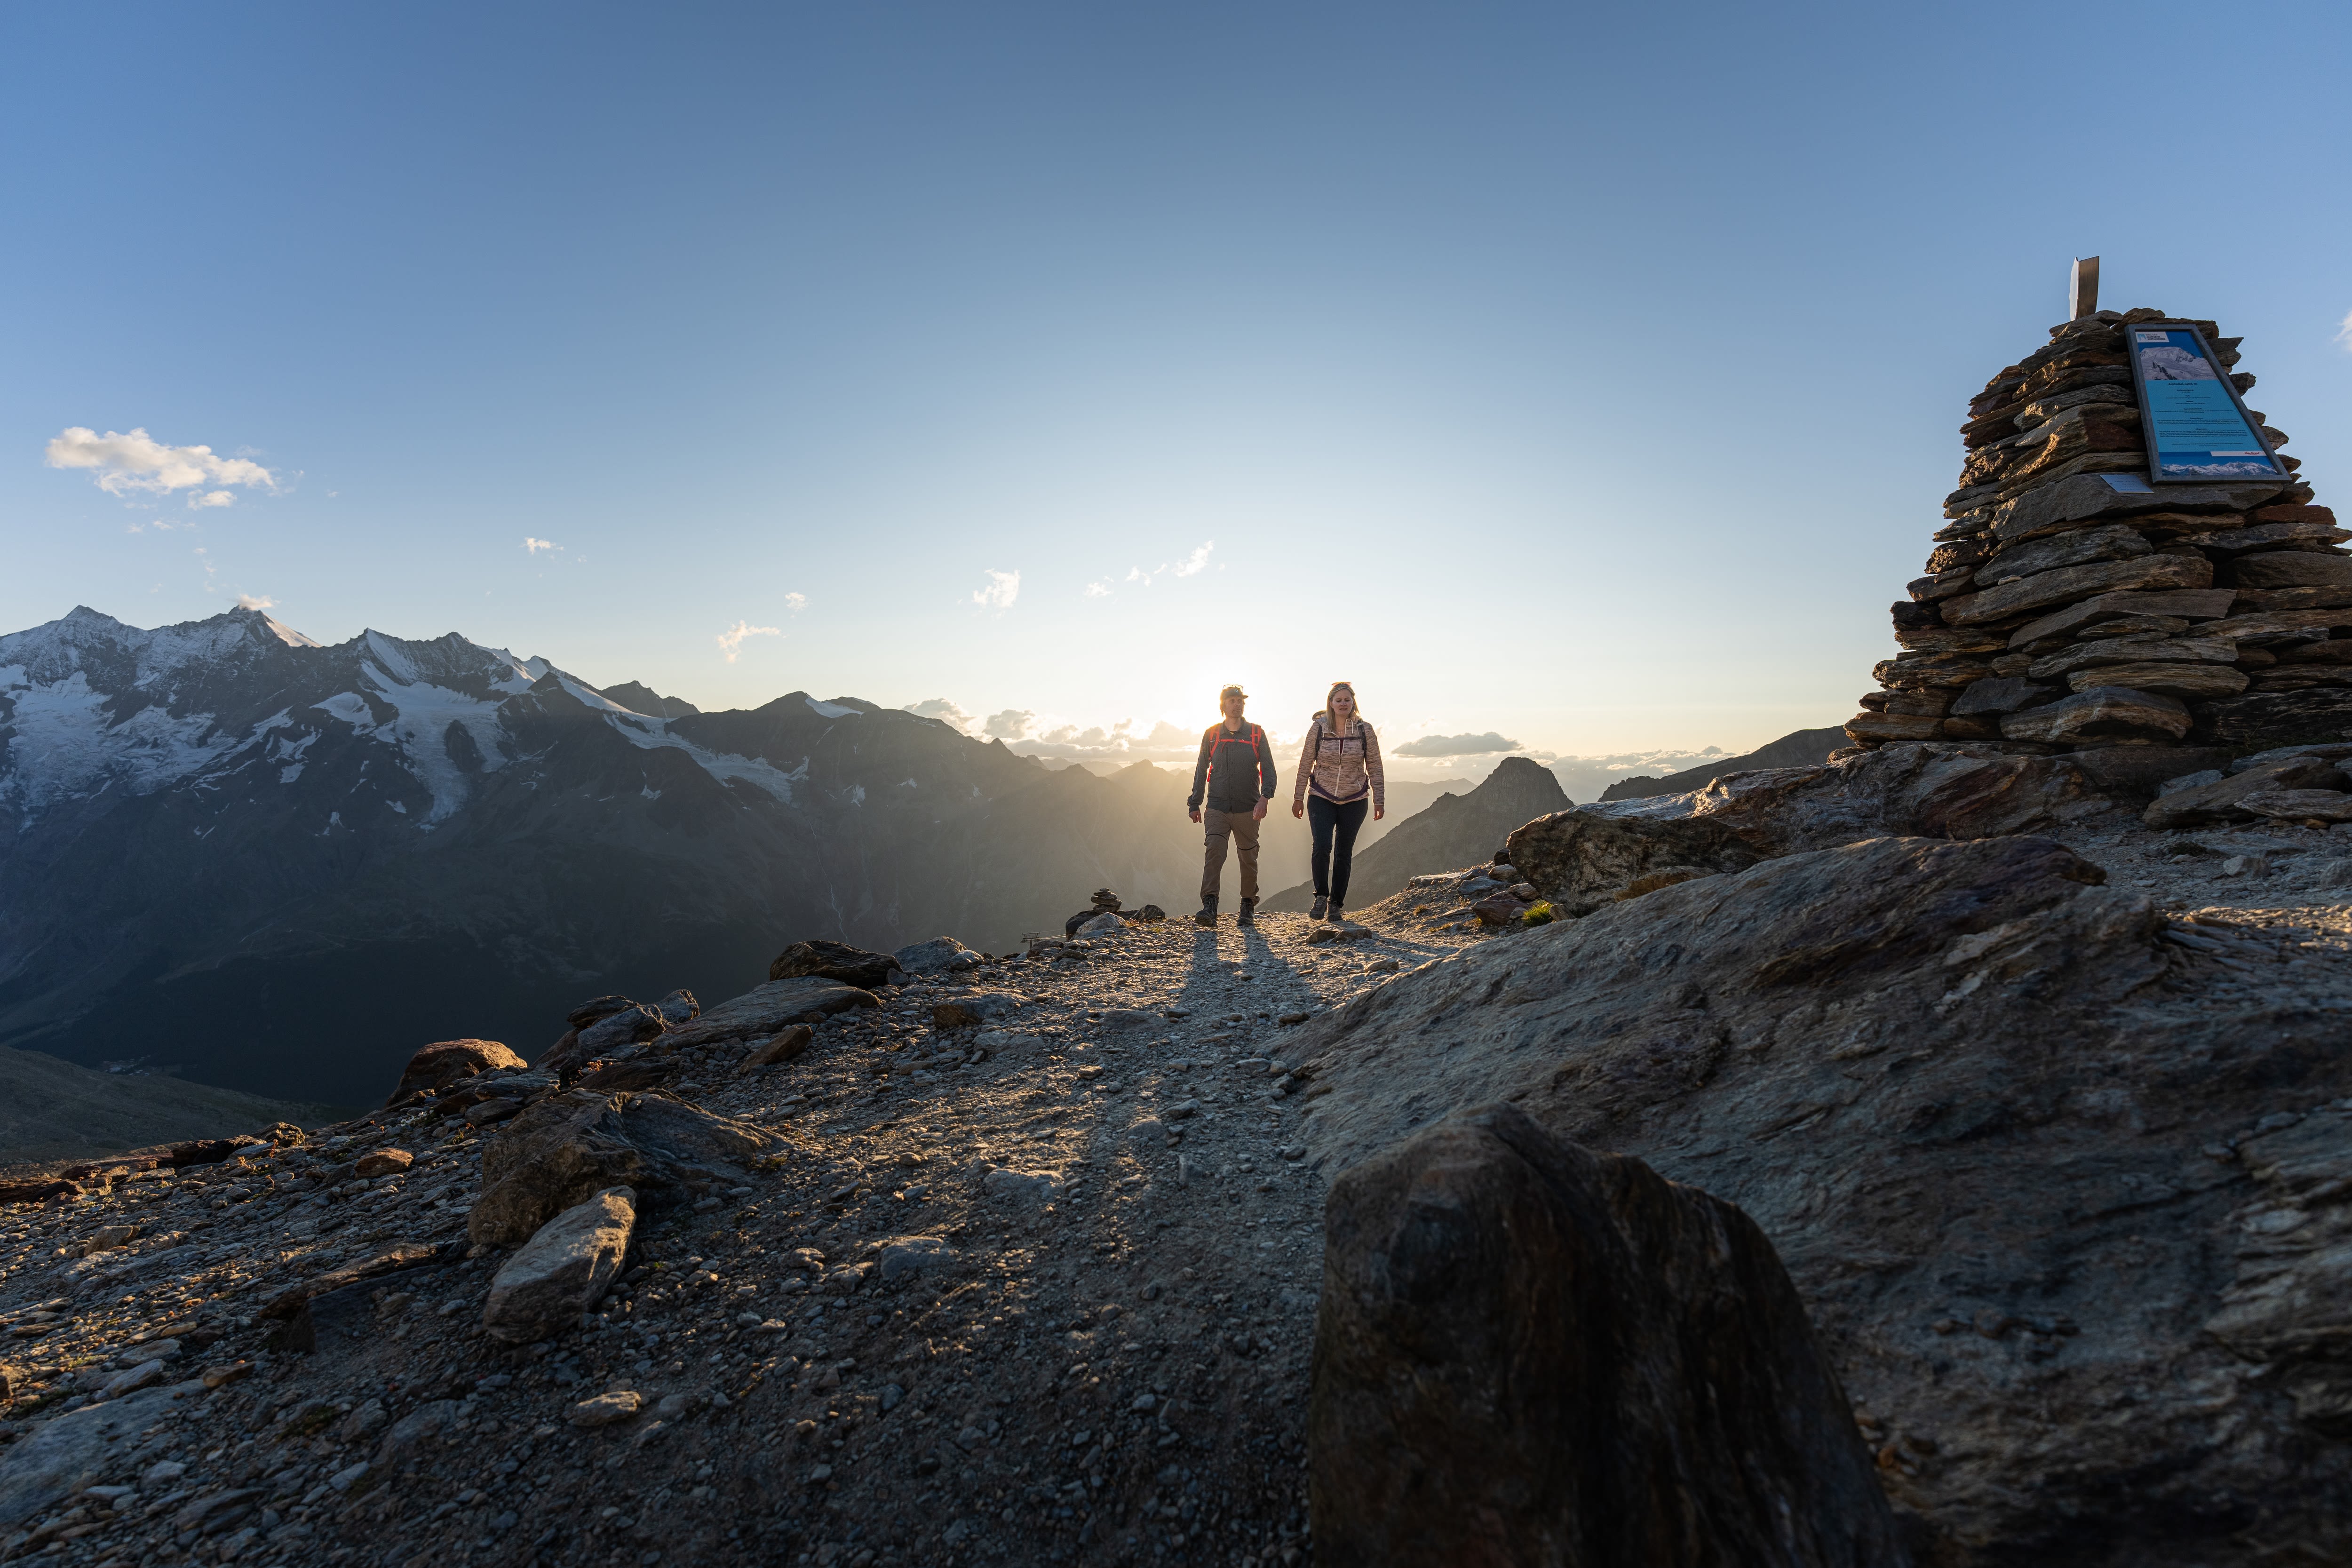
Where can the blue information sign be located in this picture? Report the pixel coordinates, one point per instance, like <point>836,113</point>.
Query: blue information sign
<point>2195,425</point>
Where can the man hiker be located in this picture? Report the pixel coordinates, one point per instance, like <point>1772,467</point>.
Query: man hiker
<point>1232,781</point>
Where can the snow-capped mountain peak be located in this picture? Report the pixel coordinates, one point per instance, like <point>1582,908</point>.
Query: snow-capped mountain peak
<point>89,704</point>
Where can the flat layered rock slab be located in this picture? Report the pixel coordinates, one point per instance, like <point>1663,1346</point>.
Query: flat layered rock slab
<point>1962,1087</point>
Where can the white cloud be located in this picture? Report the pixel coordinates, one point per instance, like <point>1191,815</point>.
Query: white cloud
<point>255,602</point>
<point>1455,746</point>
<point>1124,742</point>
<point>137,461</point>
<point>1097,590</point>
<point>213,498</point>
<point>943,710</point>
<point>1009,725</point>
<point>1195,563</point>
<point>731,640</point>
<point>796,603</point>
<point>2344,333</point>
<point>1002,588</point>
<point>534,546</point>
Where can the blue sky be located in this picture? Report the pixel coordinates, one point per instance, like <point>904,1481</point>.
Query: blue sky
<point>1587,377</point>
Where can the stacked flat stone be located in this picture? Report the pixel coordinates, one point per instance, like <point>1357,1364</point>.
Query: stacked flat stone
<point>2060,613</point>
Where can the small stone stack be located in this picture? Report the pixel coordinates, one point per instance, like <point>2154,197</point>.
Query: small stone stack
<point>2071,606</point>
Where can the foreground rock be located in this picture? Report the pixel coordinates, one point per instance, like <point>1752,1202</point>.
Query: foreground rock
<point>568,1147</point>
<point>563,1270</point>
<point>833,960</point>
<point>445,1062</point>
<point>775,1006</point>
<point>1529,1353</point>
<point>2001,1122</point>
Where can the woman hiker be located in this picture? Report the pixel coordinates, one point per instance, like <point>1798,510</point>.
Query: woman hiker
<point>1338,777</point>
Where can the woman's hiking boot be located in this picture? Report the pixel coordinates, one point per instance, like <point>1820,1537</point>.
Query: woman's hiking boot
<point>1208,913</point>
<point>1248,917</point>
<point>1322,904</point>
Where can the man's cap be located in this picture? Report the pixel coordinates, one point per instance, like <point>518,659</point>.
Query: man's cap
<point>1230,692</point>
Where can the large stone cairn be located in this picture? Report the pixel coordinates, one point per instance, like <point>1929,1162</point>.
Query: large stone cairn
<point>2062,613</point>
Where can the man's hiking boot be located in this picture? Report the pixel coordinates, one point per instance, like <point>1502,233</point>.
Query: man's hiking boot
<point>1208,915</point>
<point>1321,905</point>
<point>1248,917</point>
<point>1337,916</point>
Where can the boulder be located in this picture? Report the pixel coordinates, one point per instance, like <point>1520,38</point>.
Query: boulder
<point>804,999</point>
<point>445,1062</point>
<point>2221,801</point>
<point>936,956</point>
<point>678,1008</point>
<point>2101,712</point>
<point>833,960</point>
<point>383,1162</point>
<point>786,1046</point>
<point>2300,805</point>
<point>565,1149</point>
<point>1578,858</point>
<point>1093,924</point>
<point>630,1026</point>
<point>597,1007</point>
<point>563,1270</point>
<point>1529,1353</point>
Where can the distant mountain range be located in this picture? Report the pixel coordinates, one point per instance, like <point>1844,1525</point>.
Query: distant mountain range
<point>232,852</point>
<point>1798,749</point>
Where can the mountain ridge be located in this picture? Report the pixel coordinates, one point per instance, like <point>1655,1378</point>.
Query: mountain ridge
<point>214,834</point>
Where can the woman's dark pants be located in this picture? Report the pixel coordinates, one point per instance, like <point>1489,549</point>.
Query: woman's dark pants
<point>1334,822</point>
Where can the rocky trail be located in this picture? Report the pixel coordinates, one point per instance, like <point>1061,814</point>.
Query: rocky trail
<point>2039,1089</point>
<point>1040,1290</point>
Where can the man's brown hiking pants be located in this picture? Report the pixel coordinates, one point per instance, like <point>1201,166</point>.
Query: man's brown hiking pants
<point>1241,826</point>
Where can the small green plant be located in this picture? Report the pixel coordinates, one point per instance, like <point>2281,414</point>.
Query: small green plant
<point>1539,913</point>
